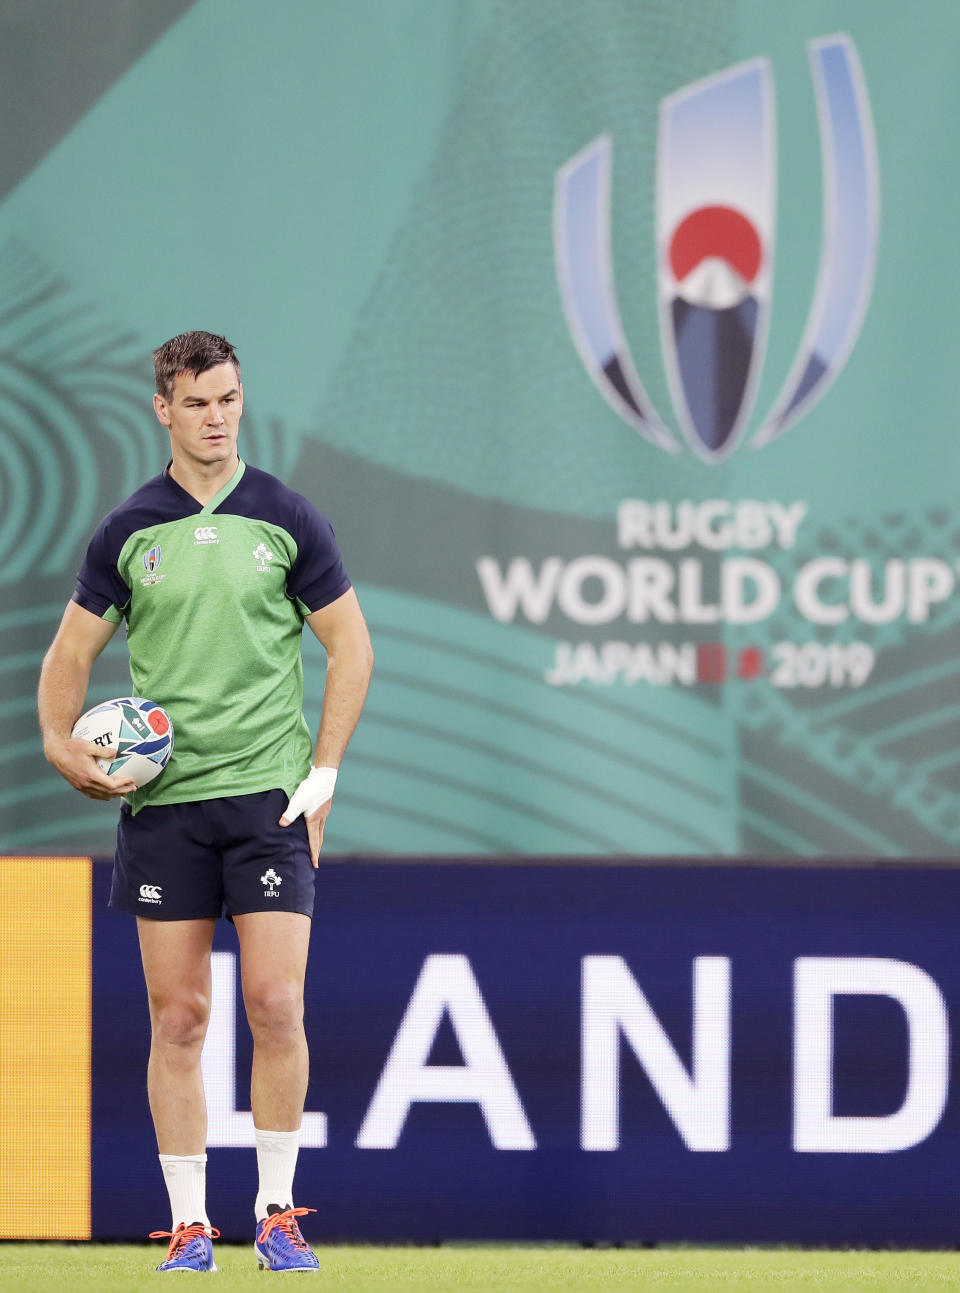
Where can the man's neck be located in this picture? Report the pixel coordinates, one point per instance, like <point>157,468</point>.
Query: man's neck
<point>203,481</point>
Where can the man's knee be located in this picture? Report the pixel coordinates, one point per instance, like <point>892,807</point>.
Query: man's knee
<point>274,1012</point>
<point>180,1022</point>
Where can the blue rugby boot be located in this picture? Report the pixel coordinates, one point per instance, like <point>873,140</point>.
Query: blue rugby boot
<point>190,1247</point>
<point>279,1244</point>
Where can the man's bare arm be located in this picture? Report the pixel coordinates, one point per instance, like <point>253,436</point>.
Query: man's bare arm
<point>64,679</point>
<point>342,631</point>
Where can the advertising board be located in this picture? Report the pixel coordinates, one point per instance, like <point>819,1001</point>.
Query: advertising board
<point>623,1052</point>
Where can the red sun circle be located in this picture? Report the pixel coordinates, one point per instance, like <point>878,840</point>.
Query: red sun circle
<point>158,721</point>
<point>716,231</point>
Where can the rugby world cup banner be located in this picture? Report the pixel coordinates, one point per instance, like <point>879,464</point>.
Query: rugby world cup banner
<point>617,341</point>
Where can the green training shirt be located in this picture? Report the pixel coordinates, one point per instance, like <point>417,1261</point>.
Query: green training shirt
<point>214,598</point>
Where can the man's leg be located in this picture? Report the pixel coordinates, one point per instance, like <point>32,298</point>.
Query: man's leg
<point>176,967</point>
<point>273,962</point>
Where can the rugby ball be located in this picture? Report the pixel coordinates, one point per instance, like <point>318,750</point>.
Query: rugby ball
<point>139,730</point>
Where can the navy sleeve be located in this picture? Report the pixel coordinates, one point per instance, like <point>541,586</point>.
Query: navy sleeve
<point>99,584</point>
<point>317,576</point>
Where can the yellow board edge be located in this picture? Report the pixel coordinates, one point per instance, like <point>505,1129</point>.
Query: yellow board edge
<point>45,1026</point>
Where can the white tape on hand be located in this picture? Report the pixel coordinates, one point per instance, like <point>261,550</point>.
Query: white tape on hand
<point>312,793</point>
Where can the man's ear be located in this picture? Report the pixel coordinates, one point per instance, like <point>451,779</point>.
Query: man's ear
<point>161,410</point>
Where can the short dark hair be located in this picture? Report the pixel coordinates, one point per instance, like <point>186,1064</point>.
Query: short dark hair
<point>190,352</point>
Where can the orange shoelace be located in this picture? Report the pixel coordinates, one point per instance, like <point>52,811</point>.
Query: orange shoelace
<point>285,1221</point>
<point>182,1235</point>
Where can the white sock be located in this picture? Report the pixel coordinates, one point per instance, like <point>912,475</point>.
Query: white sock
<point>276,1162</point>
<point>186,1178</point>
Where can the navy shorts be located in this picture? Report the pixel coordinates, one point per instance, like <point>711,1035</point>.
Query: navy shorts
<point>210,858</point>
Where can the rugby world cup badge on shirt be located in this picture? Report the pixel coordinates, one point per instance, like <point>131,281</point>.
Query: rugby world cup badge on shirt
<point>715,226</point>
<point>151,561</point>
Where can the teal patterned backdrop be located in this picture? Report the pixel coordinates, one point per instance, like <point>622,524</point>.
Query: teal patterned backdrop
<point>363,198</point>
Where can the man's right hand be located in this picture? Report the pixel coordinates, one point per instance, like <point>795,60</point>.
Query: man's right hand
<point>76,761</point>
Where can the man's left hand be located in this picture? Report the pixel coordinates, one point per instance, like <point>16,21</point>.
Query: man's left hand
<point>313,798</point>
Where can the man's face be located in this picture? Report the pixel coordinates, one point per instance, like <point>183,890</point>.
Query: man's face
<point>203,414</point>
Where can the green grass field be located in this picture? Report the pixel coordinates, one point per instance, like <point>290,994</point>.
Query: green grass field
<point>494,1269</point>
